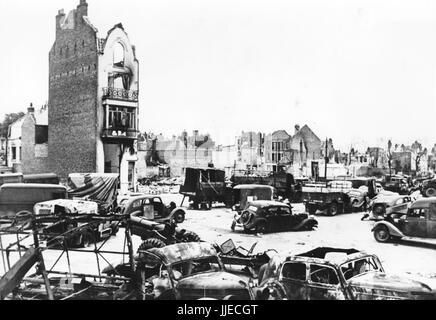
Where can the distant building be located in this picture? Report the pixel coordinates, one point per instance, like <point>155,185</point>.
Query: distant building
<point>250,151</point>
<point>14,145</point>
<point>178,153</point>
<point>377,157</point>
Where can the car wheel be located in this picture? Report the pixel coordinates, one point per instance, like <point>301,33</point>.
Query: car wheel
<point>333,209</point>
<point>151,243</point>
<point>190,236</point>
<point>430,192</point>
<point>179,216</point>
<point>381,234</point>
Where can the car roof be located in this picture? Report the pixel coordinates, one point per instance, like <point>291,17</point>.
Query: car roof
<point>183,251</point>
<point>267,203</point>
<point>424,202</point>
<point>332,256</point>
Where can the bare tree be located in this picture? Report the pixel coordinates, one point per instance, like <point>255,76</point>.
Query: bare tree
<point>389,157</point>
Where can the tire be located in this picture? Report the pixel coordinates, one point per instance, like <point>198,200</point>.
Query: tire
<point>24,217</point>
<point>430,192</point>
<point>378,210</point>
<point>333,209</point>
<point>190,236</point>
<point>381,234</point>
<point>246,217</point>
<point>151,243</point>
<point>179,216</point>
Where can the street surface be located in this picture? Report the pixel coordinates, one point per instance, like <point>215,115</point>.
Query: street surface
<point>344,231</point>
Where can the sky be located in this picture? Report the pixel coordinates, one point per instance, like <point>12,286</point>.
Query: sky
<point>359,72</point>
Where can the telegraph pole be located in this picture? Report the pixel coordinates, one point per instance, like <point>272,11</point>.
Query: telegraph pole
<point>326,160</point>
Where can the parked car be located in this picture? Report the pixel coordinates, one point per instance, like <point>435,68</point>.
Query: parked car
<point>245,193</point>
<point>418,224</point>
<point>337,274</point>
<point>189,271</point>
<point>390,203</point>
<point>269,216</point>
<point>429,188</point>
<point>152,208</point>
<point>397,184</point>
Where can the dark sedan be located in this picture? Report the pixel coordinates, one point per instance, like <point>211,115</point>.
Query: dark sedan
<point>271,216</point>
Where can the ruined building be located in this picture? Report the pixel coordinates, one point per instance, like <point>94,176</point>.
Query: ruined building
<point>93,99</point>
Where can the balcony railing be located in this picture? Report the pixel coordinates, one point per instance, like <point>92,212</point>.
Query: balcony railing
<point>123,133</point>
<point>120,94</point>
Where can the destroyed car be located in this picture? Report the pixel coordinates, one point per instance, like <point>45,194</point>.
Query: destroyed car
<point>269,216</point>
<point>429,188</point>
<point>152,208</point>
<point>337,274</point>
<point>418,224</point>
<point>189,271</point>
<point>397,184</point>
<point>63,215</point>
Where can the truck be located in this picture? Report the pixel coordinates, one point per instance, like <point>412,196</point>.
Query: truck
<point>206,186</point>
<point>283,182</point>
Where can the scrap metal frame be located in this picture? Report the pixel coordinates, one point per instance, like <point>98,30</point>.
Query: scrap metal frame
<point>34,227</point>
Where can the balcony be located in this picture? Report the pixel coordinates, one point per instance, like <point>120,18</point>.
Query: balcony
<point>119,135</point>
<point>120,94</point>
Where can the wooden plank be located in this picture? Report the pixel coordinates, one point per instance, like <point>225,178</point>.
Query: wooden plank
<point>14,276</point>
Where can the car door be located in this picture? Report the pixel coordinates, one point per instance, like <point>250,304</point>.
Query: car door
<point>293,276</point>
<point>272,215</point>
<point>415,224</point>
<point>431,221</point>
<point>324,284</point>
<point>158,208</point>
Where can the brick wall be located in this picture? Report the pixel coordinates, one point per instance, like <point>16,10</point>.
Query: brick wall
<point>73,85</point>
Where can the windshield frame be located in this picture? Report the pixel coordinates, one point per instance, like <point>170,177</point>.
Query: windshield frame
<point>345,265</point>
<point>216,258</point>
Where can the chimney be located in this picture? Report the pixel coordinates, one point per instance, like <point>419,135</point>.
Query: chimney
<point>297,128</point>
<point>60,18</point>
<point>31,109</point>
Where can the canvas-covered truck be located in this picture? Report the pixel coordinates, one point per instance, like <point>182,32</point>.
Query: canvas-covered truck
<point>206,186</point>
<point>334,197</point>
<point>283,182</point>
<point>98,187</point>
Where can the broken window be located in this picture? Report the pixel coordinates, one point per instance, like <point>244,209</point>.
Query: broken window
<point>14,153</point>
<point>294,271</point>
<point>41,134</point>
<point>118,54</point>
<point>323,274</point>
<point>122,118</point>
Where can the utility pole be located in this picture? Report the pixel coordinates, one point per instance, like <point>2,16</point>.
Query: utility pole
<point>326,160</point>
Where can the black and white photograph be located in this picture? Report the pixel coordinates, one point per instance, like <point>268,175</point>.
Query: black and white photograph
<point>217,150</point>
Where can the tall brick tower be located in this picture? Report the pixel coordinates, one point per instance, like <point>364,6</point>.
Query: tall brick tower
<point>93,99</point>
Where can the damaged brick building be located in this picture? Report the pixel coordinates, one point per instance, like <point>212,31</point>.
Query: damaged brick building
<point>93,99</point>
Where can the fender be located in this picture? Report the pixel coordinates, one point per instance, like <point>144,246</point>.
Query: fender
<point>253,222</point>
<point>393,230</point>
<point>177,209</point>
<point>303,223</point>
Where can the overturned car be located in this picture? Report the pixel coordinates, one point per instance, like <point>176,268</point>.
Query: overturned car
<point>269,216</point>
<point>337,274</point>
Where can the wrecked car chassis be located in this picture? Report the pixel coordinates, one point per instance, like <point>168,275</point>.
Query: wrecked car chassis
<point>46,283</point>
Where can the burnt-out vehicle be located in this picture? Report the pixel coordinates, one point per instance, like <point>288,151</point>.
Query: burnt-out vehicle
<point>152,208</point>
<point>66,216</point>
<point>418,224</point>
<point>245,193</point>
<point>337,274</point>
<point>189,271</point>
<point>159,234</point>
<point>203,187</point>
<point>270,216</point>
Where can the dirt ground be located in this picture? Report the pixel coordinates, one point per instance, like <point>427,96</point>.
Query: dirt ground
<point>345,231</point>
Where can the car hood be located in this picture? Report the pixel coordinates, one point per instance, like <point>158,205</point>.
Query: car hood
<point>212,280</point>
<point>389,282</point>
